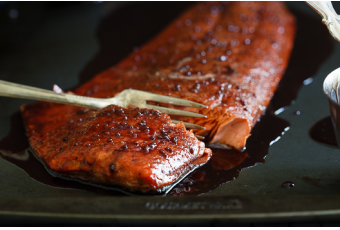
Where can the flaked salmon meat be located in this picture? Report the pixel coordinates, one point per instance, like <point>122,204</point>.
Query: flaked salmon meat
<point>229,56</point>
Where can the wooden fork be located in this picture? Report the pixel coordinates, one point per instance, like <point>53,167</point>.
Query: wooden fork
<point>126,98</point>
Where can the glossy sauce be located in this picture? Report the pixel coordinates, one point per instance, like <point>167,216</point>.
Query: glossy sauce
<point>288,184</point>
<point>323,132</point>
<point>225,164</point>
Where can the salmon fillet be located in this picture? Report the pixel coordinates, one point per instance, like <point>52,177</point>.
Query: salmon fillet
<point>228,56</point>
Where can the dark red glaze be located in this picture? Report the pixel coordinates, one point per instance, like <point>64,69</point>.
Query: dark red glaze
<point>323,132</point>
<point>225,164</point>
<point>287,184</point>
<point>88,154</point>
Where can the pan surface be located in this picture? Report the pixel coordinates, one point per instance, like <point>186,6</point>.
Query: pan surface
<point>67,44</point>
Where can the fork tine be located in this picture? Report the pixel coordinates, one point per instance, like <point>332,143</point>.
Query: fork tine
<point>199,137</point>
<point>176,112</point>
<point>171,100</point>
<point>188,125</point>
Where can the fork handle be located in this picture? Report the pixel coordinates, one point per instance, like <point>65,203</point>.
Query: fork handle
<point>8,89</point>
<point>329,17</point>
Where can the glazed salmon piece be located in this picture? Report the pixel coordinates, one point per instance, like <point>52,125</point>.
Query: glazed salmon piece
<point>138,149</point>
<point>229,56</point>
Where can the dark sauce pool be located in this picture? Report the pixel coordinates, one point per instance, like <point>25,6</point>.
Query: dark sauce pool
<point>323,132</point>
<point>225,165</point>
